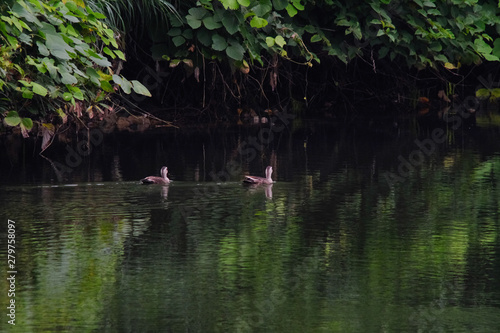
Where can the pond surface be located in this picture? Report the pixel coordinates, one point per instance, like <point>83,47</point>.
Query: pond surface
<point>358,234</point>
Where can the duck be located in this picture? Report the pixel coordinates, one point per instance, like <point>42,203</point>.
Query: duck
<point>260,180</point>
<point>163,180</point>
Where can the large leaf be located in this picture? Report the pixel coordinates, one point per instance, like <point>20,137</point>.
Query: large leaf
<point>198,12</point>
<point>27,123</point>
<point>230,4</point>
<point>193,22</point>
<point>12,118</point>
<point>39,89</point>
<point>258,22</point>
<point>178,40</point>
<point>219,43</point>
<point>235,51</point>
<point>94,76</point>
<point>231,23</point>
<point>139,88</point>
<point>262,8</point>
<point>280,4</point>
<point>211,23</point>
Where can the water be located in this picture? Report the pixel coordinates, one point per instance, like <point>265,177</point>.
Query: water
<point>330,247</point>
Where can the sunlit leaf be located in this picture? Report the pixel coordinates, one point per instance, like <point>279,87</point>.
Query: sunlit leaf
<point>28,94</point>
<point>120,54</point>
<point>270,41</point>
<point>12,118</point>
<point>27,123</point>
<point>315,38</point>
<point>139,88</point>
<point>67,96</point>
<point>280,40</point>
<point>106,86</point>
<point>39,89</point>
<point>258,22</point>
<point>291,10</point>
<point>108,51</point>
<point>230,4</point>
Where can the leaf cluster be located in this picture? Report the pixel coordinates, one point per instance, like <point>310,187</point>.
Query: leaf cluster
<point>422,33</point>
<point>55,53</point>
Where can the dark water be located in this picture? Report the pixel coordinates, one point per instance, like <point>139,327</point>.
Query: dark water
<point>352,237</point>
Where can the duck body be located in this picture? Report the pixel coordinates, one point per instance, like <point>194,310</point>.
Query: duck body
<point>260,180</point>
<point>163,180</point>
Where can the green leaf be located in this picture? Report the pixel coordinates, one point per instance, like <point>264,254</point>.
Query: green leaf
<point>280,40</point>
<point>42,49</point>
<point>291,10</point>
<point>24,13</point>
<point>263,8</point>
<point>100,60</point>
<point>117,79</point>
<point>496,47</point>
<point>193,22</point>
<point>39,89</point>
<point>28,94</point>
<point>219,42</point>
<point>298,5</point>
<point>106,86</point>
<point>235,51</point>
<point>120,54</point>
<point>12,118</point>
<point>280,4</point>
<point>174,32</point>
<point>205,37</point>
<point>126,86</point>
<point>77,93</point>
<point>211,23</point>
<point>244,3</point>
<point>198,12</point>
<point>270,41</point>
<point>94,76</point>
<point>316,38</point>
<point>482,47</point>
<point>109,52</point>
<point>27,123</point>
<point>55,42</point>
<point>230,4</point>
<point>139,88</point>
<point>483,93</point>
<point>258,22</point>
<point>178,41</point>
<point>67,96</point>
<point>231,23</point>
<point>436,46</point>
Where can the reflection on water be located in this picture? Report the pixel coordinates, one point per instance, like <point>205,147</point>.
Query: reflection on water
<point>329,247</point>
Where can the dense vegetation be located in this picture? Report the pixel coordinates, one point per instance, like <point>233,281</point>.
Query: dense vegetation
<point>60,59</point>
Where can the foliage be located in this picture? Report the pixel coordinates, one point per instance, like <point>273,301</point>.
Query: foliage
<point>67,45</point>
<point>424,33</point>
<point>54,54</point>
